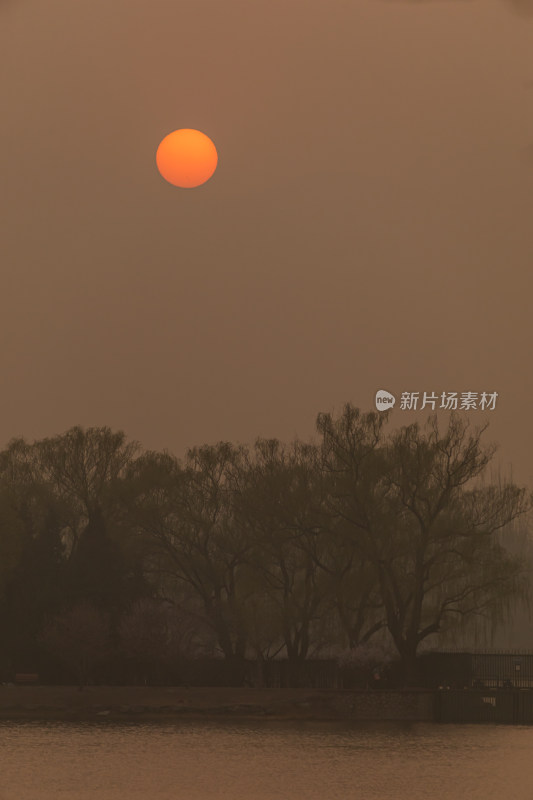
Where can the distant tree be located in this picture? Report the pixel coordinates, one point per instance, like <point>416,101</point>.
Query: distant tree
<point>356,600</point>
<point>31,520</point>
<point>156,636</point>
<point>19,517</point>
<point>183,514</point>
<point>80,639</point>
<point>410,505</point>
<point>292,594</point>
<point>35,589</point>
<point>84,468</point>
<point>97,571</point>
<point>11,540</point>
<point>143,638</point>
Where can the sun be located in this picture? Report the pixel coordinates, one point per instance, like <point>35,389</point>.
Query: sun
<point>186,158</point>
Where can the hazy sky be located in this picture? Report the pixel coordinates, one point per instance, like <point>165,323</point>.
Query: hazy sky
<point>370,223</point>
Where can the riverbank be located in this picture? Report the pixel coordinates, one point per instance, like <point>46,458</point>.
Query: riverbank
<point>155,702</point>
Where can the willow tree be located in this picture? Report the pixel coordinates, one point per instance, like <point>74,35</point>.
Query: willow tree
<point>413,506</point>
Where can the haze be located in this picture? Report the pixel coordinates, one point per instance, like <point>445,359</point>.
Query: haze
<point>368,226</point>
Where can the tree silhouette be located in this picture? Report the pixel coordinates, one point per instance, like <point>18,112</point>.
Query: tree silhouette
<point>411,507</point>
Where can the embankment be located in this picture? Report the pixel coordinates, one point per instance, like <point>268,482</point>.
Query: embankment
<point>135,702</point>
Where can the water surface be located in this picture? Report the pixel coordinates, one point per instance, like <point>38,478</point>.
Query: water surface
<point>260,760</point>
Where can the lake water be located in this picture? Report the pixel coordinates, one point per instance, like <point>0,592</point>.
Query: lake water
<point>255,761</point>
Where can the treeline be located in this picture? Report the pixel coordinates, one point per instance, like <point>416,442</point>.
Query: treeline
<point>121,565</point>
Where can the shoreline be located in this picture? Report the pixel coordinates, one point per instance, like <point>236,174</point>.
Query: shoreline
<point>126,703</point>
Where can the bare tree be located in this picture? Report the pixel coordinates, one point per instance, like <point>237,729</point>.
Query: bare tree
<point>276,501</point>
<point>411,507</point>
<point>185,517</point>
<point>82,466</point>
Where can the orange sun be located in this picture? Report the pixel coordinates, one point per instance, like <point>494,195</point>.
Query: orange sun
<point>186,158</point>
